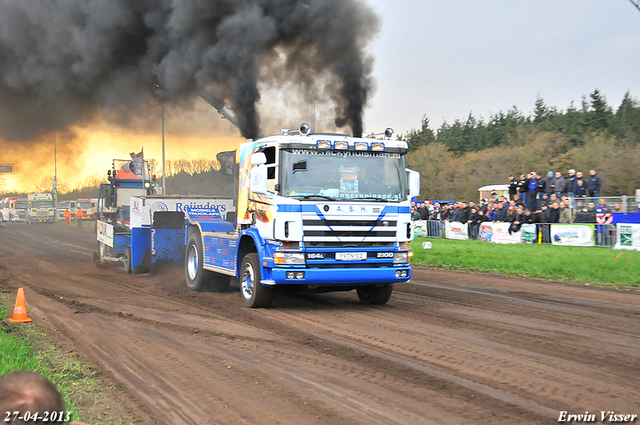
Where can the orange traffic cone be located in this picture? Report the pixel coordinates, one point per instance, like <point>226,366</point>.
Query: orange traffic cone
<point>20,310</point>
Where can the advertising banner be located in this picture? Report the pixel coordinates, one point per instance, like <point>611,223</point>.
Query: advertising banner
<point>420,229</point>
<point>501,234</point>
<point>456,230</point>
<point>486,232</point>
<point>104,232</point>
<point>528,233</point>
<point>572,234</point>
<point>143,208</point>
<point>628,236</point>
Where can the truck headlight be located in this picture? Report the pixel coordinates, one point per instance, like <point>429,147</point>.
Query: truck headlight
<point>289,258</point>
<point>401,257</point>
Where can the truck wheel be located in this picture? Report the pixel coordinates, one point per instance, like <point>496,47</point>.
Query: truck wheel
<point>103,249</point>
<point>374,295</point>
<point>98,258</point>
<point>197,276</point>
<point>254,294</point>
<point>127,260</point>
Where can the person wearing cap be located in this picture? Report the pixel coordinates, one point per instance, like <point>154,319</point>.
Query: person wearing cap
<point>551,183</point>
<point>415,215</point>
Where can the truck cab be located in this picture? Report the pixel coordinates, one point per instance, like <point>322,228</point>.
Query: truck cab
<point>322,212</point>
<point>8,207</point>
<point>40,208</point>
<point>66,205</point>
<point>89,207</point>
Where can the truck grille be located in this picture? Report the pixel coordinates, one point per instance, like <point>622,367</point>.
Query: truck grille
<point>349,230</point>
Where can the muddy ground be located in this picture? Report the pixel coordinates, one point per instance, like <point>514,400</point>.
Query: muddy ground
<point>449,348</point>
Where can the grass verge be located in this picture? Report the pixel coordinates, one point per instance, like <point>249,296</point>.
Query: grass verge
<point>596,266</point>
<point>23,346</point>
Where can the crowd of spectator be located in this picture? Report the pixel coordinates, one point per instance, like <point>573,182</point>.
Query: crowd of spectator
<point>532,199</point>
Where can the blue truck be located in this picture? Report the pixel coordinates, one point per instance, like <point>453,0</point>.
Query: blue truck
<point>319,212</point>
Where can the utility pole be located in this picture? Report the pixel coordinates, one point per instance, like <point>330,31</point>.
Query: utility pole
<point>313,100</point>
<point>55,178</point>
<point>164,174</point>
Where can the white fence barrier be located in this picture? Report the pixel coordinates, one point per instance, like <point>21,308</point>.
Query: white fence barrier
<point>456,230</point>
<point>628,236</point>
<point>573,234</point>
<point>582,234</point>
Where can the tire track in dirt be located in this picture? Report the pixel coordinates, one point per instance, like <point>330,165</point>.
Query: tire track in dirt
<point>465,356</point>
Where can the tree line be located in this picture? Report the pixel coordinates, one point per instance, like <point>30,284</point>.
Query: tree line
<point>184,176</point>
<point>458,158</point>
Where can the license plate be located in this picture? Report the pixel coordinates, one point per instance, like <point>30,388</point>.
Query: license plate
<point>351,256</point>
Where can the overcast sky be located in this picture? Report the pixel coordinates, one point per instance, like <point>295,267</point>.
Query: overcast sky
<point>444,59</point>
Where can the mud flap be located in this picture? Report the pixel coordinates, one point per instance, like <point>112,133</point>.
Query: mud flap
<point>141,249</point>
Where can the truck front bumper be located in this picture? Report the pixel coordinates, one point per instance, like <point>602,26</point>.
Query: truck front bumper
<point>337,276</point>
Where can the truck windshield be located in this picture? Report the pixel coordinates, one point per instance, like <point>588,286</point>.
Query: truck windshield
<point>375,176</point>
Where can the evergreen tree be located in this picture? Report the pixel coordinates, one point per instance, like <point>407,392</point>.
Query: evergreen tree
<point>627,119</point>
<point>416,139</point>
<point>599,114</point>
<point>540,111</point>
<point>573,124</point>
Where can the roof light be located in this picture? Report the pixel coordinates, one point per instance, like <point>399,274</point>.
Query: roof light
<point>323,144</point>
<point>305,129</point>
<point>341,146</point>
<point>361,146</point>
<point>378,147</point>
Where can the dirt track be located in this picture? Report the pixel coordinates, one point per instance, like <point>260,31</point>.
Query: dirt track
<point>449,348</point>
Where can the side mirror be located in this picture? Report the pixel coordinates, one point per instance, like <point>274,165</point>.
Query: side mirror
<point>259,178</point>
<point>413,183</point>
<point>258,158</point>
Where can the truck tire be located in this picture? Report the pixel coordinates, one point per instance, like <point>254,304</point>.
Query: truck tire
<point>374,295</point>
<point>199,279</point>
<point>194,272</point>
<point>254,293</point>
<point>127,260</point>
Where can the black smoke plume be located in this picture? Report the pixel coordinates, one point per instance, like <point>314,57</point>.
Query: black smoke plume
<point>61,62</point>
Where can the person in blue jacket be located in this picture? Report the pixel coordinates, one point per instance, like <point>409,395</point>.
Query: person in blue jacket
<point>530,202</point>
<point>595,182</point>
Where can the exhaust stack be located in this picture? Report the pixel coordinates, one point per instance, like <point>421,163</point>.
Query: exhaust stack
<point>222,108</point>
